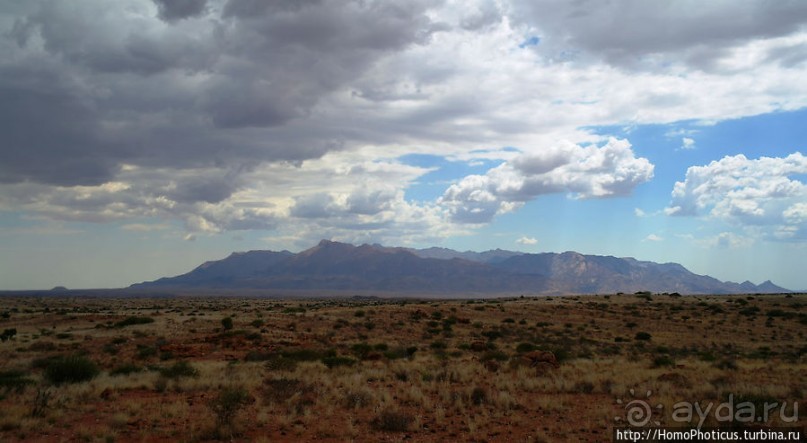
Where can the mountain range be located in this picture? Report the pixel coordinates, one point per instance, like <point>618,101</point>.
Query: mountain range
<point>335,266</point>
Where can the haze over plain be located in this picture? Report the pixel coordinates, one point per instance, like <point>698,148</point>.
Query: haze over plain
<point>140,138</point>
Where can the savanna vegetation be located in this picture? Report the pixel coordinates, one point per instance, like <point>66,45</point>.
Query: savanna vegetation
<point>516,369</point>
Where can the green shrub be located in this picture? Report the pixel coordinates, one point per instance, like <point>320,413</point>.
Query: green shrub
<point>401,352</point>
<point>125,369</point>
<point>360,350</point>
<point>749,312</point>
<point>129,321</point>
<point>334,361</point>
<point>280,390</point>
<point>663,360</point>
<point>73,369</point>
<point>438,345</point>
<point>144,352</point>
<point>226,405</point>
<point>726,364</point>
<point>8,334</point>
<point>259,356</point>
<point>280,363</point>
<point>14,380</point>
<point>227,323</point>
<point>179,369</point>
<point>525,347</point>
<point>393,421</point>
<point>479,396</point>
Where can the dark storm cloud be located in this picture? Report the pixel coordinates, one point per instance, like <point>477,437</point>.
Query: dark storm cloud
<point>171,10</point>
<point>49,131</point>
<point>90,85</point>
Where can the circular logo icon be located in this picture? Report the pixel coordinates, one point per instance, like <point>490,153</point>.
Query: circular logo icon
<point>638,411</point>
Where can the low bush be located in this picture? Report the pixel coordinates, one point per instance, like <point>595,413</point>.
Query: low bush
<point>393,421</point>
<point>401,352</point>
<point>226,406</point>
<point>662,361</point>
<point>125,369</point>
<point>72,369</point>
<point>278,362</point>
<point>14,380</point>
<point>525,347</point>
<point>8,334</point>
<point>227,323</point>
<point>129,321</point>
<point>335,361</point>
<point>179,369</point>
<point>479,396</point>
<point>281,389</point>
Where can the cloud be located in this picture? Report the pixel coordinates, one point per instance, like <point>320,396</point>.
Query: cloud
<point>219,114</point>
<point>687,143</point>
<point>144,227</point>
<point>748,192</point>
<point>646,38</point>
<point>527,241</point>
<point>653,238</point>
<point>171,10</point>
<point>582,172</point>
<point>89,88</point>
<point>639,213</point>
<point>726,240</point>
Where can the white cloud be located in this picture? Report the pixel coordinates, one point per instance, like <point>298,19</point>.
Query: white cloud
<point>653,238</point>
<point>726,240</point>
<point>749,192</point>
<point>241,115</point>
<point>581,171</point>
<point>687,143</point>
<point>144,227</point>
<point>639,213</point>
<point>527,241</point>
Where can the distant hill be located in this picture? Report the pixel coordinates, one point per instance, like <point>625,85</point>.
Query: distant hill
<point>340,266</point>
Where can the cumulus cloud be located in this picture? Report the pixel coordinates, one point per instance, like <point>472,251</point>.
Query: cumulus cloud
<point>527,241</point>
<point>727,240</point>
<point>749,192</point>
<point>687,143</point>
<point>653,238</point>
<point>580,171</point>
<point>219,113</point>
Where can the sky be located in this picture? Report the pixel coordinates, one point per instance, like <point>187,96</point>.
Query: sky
<point>140,138</point>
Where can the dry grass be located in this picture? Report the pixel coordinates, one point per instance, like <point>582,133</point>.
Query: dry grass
<point>444,370</point>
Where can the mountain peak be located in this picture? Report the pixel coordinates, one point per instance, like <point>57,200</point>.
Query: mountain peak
<point>332,265</point>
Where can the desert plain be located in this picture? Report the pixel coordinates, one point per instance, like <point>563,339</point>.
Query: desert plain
<point>342,369</point>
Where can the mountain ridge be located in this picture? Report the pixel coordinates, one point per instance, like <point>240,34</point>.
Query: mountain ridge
<point>331,265</point>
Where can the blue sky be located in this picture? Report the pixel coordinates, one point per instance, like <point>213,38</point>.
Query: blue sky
<point>141,138</point>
